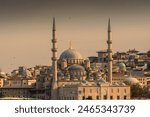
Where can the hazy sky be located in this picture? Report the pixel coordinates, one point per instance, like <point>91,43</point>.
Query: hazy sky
<point>25,28</point>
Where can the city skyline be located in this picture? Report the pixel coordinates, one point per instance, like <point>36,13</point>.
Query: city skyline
<point>25,33</point>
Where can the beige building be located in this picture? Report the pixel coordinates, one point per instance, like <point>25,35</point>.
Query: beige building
<point>17,87</point>
<point>19,82</point>
<point>19,92</point>
<point>87,92</point>
<point>2,78</point>
<point>119,77</point>
<point>142,80</point>
<point>1,82</point>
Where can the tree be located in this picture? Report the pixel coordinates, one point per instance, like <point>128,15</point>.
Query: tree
<point>137,91</point>
<point>148,53</point>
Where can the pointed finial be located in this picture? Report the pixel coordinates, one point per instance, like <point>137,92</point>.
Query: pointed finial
<point>54,28</point>
<point>109,27</point>
<point>70,45</point>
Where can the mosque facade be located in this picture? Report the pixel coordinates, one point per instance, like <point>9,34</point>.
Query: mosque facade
<point>74,78</point>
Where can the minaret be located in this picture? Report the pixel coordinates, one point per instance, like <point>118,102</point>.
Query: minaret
<point>54,63</point>
<point>109,42</point>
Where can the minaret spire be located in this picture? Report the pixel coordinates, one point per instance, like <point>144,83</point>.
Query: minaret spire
<point>54,62</point>
<point>54,27</point>
<point>109,27</point>
<point>70,45</point>
<point>109,50</point>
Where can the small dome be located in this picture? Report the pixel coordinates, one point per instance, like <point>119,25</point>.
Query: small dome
<point>131,81</point>
<point>70,54</point>
<point>115,84</point>
<point>99,82</point>
<point>123,84</point>
<point>2,74</point>
<point>122,66</point>
<point>76,72</point>
<point>76,67</point>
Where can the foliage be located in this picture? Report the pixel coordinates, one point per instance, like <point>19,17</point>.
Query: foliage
<point>137,91</point>
<point>148,53</point>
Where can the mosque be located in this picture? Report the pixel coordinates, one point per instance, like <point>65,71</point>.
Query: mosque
<point>74,78</point>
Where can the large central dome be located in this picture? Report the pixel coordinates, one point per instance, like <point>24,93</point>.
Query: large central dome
<point>70,54</point>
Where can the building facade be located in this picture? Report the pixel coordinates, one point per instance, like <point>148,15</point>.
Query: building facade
<point>78,79</point>
<point>94,92</point>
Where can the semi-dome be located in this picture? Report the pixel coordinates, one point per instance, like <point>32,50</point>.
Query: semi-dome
<point>70,54</point>
<point>76,72</point>
<point>76,67</point>
<point>131,81</point>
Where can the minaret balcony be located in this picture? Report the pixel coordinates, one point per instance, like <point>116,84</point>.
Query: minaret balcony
<point>54,59</point>
<point>110,59</point>
<point>54,49</point>
<point>54,40</point>
<point>109,42</point>
<point>109,50</point>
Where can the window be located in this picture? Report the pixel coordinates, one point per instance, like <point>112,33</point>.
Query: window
<point>83,97</point>
<point>118,97</point>
<point>111,97</point>
<point>125,97</point>
<point>105,97</point>
<point>97,97</point>
<point>89,98</point>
